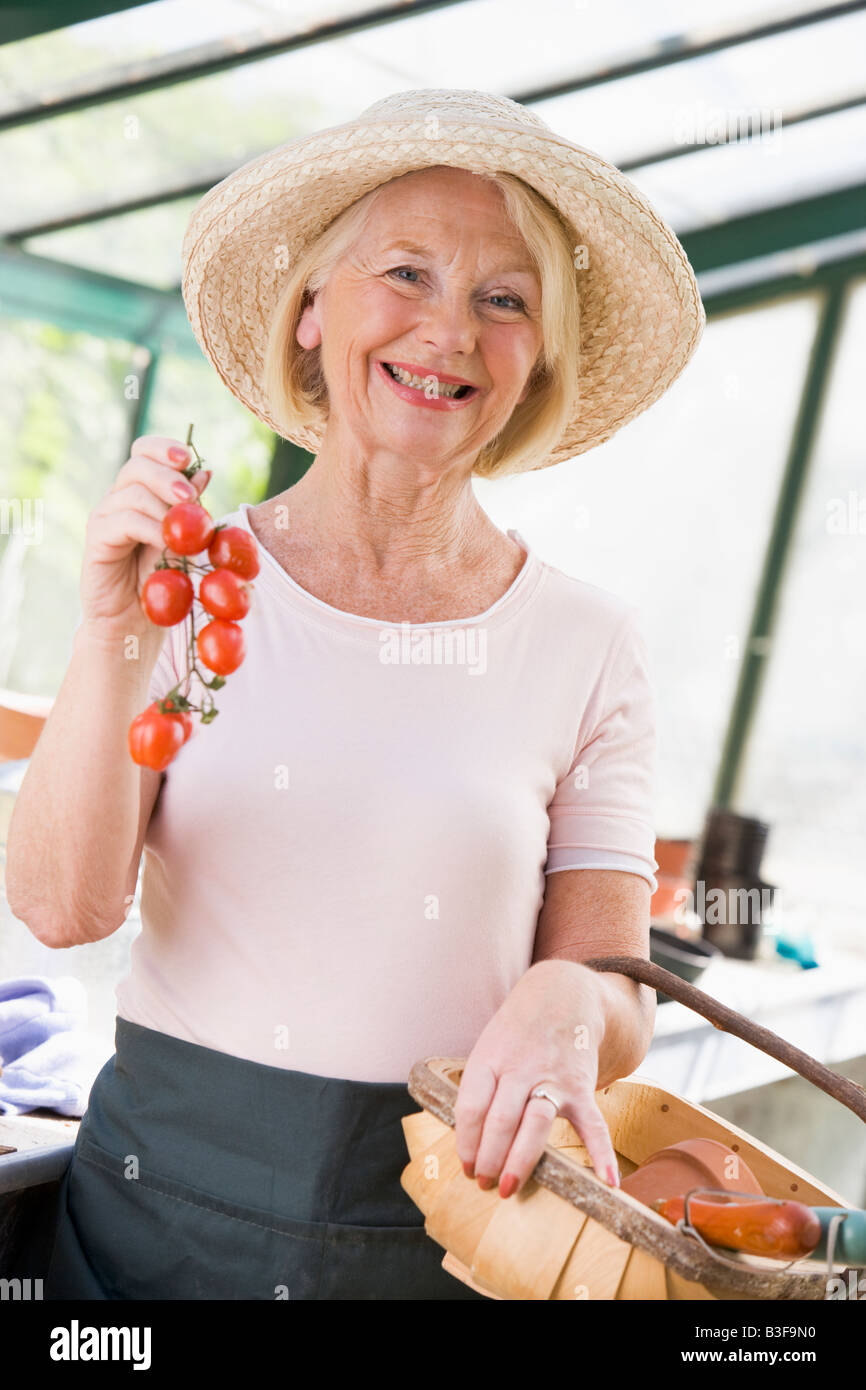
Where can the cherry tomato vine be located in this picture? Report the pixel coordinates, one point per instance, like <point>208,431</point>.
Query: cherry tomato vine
<point>168,597</point>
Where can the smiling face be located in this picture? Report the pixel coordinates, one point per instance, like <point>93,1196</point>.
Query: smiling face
<point>429,327</point>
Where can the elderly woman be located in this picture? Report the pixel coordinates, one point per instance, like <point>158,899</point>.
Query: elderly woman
<point>427,798</point>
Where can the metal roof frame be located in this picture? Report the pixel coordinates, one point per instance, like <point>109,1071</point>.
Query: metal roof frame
<point>37,286</point>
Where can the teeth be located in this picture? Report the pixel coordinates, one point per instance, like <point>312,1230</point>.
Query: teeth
<point>419,383</point>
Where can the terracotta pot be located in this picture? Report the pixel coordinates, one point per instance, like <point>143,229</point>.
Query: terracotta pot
<point>673,856</point>
<point>675,1170</point>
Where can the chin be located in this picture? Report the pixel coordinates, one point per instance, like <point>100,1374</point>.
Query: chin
<point>429,445</point>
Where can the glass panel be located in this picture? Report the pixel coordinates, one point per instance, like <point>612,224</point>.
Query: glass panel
<point>673,514</point>
<point>484,43</point>
<point>235,444</point>
<point>799,161</point>
<point>64,431</point>
<point>806,68</point>
<point>85,50</point>
<point>806,771</point>
<point>211,125</point>
<point>143,247</point>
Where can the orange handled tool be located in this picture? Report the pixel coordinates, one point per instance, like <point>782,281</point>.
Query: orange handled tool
<point>779,1230</point>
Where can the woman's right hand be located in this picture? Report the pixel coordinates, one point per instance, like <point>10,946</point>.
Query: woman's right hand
<point>124,533</point>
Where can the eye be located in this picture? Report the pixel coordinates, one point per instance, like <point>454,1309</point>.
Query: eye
<point>404,270</point>
<point>514,301</point>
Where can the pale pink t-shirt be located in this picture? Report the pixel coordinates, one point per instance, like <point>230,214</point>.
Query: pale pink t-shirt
<point>343,872</point>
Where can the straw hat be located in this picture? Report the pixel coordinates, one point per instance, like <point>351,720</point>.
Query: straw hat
<point>641,314</point>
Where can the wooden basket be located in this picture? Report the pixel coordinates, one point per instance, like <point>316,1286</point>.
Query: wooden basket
<point>567,1235</point>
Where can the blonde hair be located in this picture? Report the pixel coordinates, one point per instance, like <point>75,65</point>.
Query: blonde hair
<point>294,382</point>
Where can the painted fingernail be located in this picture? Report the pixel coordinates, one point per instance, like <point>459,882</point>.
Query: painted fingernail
<point>468,1168</point>
<point>177,454</point>
<point>184,490</point>
<point>485,1183</point>
<point>507,1185</point>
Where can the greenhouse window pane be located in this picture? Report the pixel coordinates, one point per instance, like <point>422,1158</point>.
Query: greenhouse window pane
<point>66,407</point>
<point>497,47</point>
<point>635,117</point>
<point>55,59</point>
<point>141,246</point>
<point>235,445</point>
<point>673,513</point>
<point>806,766</point>
<point>799,161</point>
<point>64,421</point>
<point>147,141</point>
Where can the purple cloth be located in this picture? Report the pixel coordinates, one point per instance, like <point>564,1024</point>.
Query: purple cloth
<point>49,1060</point>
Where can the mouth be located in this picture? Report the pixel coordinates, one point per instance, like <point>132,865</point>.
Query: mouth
<point>428,388</point>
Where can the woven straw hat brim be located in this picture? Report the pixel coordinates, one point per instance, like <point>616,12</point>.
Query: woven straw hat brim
<point>641,312</point>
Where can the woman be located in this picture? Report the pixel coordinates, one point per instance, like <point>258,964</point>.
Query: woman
<point>372,855</point>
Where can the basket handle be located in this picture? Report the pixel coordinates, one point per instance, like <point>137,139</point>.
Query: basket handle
<point>646,972</point>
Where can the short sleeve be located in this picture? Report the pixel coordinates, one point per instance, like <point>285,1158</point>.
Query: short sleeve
<point>602,811</point>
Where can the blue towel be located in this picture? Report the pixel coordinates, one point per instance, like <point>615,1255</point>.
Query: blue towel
<point>49,1060</point>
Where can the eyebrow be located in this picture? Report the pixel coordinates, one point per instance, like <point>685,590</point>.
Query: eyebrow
<point>415,249</point>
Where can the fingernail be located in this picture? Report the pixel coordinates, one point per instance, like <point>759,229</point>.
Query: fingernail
<point>612,1176</point>
<point>207,474</point>
<point>185,490</point>
<point>468,1168</point>
<point>485,1183</point>
<point>177,454</point>
<point>507,1185</point>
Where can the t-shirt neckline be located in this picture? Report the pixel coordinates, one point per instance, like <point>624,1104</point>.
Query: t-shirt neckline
<point>282,582</point>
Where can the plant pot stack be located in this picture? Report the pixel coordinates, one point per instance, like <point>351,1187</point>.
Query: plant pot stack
<point>734,894</point>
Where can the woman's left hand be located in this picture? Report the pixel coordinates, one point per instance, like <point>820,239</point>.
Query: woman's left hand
<point>547,1031</point>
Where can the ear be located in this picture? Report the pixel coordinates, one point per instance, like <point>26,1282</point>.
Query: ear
<point>309,330</point>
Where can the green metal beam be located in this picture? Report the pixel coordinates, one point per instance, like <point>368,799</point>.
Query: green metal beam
<point>759,641</point>
<point>777,229</point>
<point>127,82</point>
<point>34,286</point>
<point>38,17</point>
<point>786,119</point>
<point>147,363</point>
<point>89,301</point>
<point>752,295</point>
<point>196,183</point>
<point>663,53</point>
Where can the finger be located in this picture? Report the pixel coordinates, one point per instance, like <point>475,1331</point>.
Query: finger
<point>528,1145</point>
<point>500,1127</point>
<point>474,1094</point>
<point>161,479</point>
<point>121,530</point>
<point>162,449</point>
<point>584,1114</point>
<point>139,498</point>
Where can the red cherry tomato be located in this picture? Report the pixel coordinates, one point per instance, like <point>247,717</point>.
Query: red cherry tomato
<point>221,646</point>
<point>183,715</point>
<point>224,594</point>
<point>154,738</point>
<point>234,549</point>
<point>167,596</point>
<point>187,528</point>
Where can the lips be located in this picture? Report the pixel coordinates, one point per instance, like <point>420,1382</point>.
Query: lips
<point>421,387</point>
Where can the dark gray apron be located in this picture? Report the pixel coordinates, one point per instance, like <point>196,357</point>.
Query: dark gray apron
<point>199,1175</point>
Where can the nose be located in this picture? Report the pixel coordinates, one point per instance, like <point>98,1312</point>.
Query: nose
<point>449,325</point>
